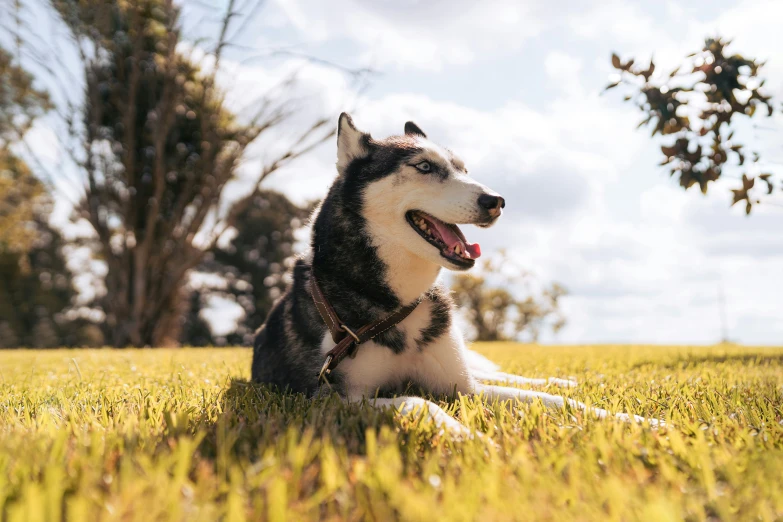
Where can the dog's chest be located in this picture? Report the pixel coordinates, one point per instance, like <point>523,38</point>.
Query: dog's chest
<point>430,357</point>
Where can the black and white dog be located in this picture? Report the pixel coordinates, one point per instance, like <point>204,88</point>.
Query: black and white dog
<point>379,240</point>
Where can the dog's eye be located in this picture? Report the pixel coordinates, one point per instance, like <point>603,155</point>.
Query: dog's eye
<point>424,166</point>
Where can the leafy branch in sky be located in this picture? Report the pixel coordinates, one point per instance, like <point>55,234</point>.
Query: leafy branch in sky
<point>696,108</point>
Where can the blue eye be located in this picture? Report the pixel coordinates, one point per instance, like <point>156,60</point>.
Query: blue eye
<point>424,166</point>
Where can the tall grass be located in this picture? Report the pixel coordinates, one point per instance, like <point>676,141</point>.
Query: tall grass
<point>164,435</point>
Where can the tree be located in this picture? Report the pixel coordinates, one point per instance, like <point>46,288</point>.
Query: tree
<point>20,102</point>
<point>697,110</point>
<point>496,314</point>
<point>157,147</point>
<point>252,265</point>
<point>36,288</point>
<point>36,292</point>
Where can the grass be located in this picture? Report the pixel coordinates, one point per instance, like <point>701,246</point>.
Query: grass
<point>154,435</point>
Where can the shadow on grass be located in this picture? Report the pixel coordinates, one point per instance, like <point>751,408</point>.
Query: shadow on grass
<point>254,417</point>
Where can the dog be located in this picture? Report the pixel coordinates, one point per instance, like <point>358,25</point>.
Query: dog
<point>380,238</point>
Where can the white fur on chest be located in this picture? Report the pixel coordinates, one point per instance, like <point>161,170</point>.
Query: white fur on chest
<point>439,367</point>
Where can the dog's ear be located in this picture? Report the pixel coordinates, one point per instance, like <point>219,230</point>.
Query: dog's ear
<point>351,142</point>
<point>414,130</point>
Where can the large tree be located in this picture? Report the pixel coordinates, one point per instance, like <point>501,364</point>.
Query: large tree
<point>157,147</point>
<point>695,108</point>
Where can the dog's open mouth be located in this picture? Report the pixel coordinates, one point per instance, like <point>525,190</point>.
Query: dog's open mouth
<point>447,238</point>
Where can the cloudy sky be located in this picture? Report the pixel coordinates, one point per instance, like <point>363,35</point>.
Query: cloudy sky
<point>514,88</point>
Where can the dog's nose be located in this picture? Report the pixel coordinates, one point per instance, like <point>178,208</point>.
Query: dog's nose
<point>491,202</point>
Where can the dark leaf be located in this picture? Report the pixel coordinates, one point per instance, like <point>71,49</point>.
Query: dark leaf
<point>765,179</point>
<point>650,70</point>
<point>739,195</point>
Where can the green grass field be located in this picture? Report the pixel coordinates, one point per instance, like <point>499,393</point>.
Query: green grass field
<point>154,435</point>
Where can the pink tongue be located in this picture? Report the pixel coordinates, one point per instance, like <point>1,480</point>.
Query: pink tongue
<point>450,237</point>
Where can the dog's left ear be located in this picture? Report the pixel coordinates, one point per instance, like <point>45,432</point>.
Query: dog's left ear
<point>351,142</point>
<point>414,130</point>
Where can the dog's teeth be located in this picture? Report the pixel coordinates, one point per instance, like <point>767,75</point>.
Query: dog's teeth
<point>458,249</point>
<point>423,226</point>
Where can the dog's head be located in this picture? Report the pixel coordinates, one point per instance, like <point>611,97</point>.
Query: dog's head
<point>413,193</point>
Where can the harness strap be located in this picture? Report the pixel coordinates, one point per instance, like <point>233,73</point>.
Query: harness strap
<point>347,339</point>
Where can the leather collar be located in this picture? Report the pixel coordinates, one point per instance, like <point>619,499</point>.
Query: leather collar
<point>347,338</point>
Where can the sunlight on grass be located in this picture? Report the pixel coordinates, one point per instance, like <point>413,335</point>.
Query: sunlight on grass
<point>181,435</point>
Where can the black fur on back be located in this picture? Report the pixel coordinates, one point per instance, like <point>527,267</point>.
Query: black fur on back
<point>352,276</point>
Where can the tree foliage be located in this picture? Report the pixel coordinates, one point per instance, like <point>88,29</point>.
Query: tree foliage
<point>20,102</point>
<point>157,147</point>
<point>695,107</point>
<point>496,314</point>
<point>36,289</point>
<point>20,193</point>
<point>36,292</point>
<point>252,265</point>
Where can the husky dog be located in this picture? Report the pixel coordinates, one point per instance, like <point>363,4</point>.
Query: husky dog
<point>379,240</point>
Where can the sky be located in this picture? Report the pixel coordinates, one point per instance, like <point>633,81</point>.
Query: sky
<point>515,89</point>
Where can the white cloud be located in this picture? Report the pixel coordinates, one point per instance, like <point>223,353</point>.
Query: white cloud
<point>423,35</point>
<point>561,70</point>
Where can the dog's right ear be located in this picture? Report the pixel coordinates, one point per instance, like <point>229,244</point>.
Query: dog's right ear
<point>351,142</point>
<point>411,129</point>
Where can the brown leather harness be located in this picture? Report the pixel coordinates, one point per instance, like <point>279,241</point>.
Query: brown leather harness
<point>348,339</point>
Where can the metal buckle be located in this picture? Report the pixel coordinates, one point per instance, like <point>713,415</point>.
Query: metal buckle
<point>325,368</point>
<point>351,333</point>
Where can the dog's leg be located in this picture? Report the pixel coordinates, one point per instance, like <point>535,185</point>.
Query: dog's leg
<point>503,393</point>
<point>509,378</point>
<point>406,405</point>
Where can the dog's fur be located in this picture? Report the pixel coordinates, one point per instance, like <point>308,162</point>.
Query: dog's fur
<point>370,261</point>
